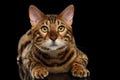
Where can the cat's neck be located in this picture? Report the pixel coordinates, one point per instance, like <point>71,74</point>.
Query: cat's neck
<point>55,53</point>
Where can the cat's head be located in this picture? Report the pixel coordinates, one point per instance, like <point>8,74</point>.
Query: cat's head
<point>51,32</point>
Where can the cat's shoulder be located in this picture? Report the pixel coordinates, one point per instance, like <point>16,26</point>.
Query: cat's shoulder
<point>81,53</point>
<point>25,38</point>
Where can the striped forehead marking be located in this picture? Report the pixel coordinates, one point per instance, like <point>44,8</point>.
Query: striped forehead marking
<point>52,18</point>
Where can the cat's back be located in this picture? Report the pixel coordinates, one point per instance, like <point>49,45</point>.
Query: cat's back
<point>24,41</point>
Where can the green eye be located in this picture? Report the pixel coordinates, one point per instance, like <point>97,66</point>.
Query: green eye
<point>44,29</point>
<point>61,28</point>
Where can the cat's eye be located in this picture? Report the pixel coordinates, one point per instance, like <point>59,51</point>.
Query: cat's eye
<point>61,28</point>
<point>44,29</point>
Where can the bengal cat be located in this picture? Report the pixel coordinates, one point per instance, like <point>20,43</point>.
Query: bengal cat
<point>49,46</point>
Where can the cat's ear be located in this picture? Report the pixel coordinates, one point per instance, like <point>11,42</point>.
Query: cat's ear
<point>67,14</point>
<point>35,15</point>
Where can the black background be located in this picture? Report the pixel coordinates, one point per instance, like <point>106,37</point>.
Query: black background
<point>86,29</point>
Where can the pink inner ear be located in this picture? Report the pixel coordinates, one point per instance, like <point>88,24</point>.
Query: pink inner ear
<point>35,15</point>
<point>67,14</point>
<point>34,18</point>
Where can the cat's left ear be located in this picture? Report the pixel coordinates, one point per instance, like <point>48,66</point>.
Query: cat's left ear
<point>67,14</point>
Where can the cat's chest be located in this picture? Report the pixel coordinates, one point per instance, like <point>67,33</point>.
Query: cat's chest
<point>61,63</point>
<point>54,56</point>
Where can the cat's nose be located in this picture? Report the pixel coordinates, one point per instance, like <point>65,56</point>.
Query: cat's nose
<point>53,37</point>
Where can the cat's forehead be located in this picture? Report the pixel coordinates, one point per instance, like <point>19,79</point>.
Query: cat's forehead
<point>52,18</point>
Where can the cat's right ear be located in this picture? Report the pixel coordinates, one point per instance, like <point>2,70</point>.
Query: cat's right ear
<point>35,15</point>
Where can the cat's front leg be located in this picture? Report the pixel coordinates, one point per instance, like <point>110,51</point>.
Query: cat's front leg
<point>37,70</point>
<point>79,67</point>
<point>79,71</point>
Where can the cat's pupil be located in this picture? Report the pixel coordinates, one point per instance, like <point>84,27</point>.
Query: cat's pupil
<point>61,28</point>
<point>44,29</point>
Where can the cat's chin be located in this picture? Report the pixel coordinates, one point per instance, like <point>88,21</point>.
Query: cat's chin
<point>53,49</point>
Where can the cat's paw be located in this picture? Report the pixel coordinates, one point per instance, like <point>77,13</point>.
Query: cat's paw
<point>80,72</point>
<point>39,73</point>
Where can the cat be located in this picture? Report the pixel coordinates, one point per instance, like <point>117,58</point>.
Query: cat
<point>49,46</point>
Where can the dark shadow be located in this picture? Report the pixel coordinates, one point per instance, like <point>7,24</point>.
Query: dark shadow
<point>63,76</point>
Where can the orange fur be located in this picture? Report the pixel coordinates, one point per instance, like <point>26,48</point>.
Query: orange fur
<point>49,46</point>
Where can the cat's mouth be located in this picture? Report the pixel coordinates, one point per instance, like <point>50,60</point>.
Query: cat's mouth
<point>49,45</point>
<point>53,47</point>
